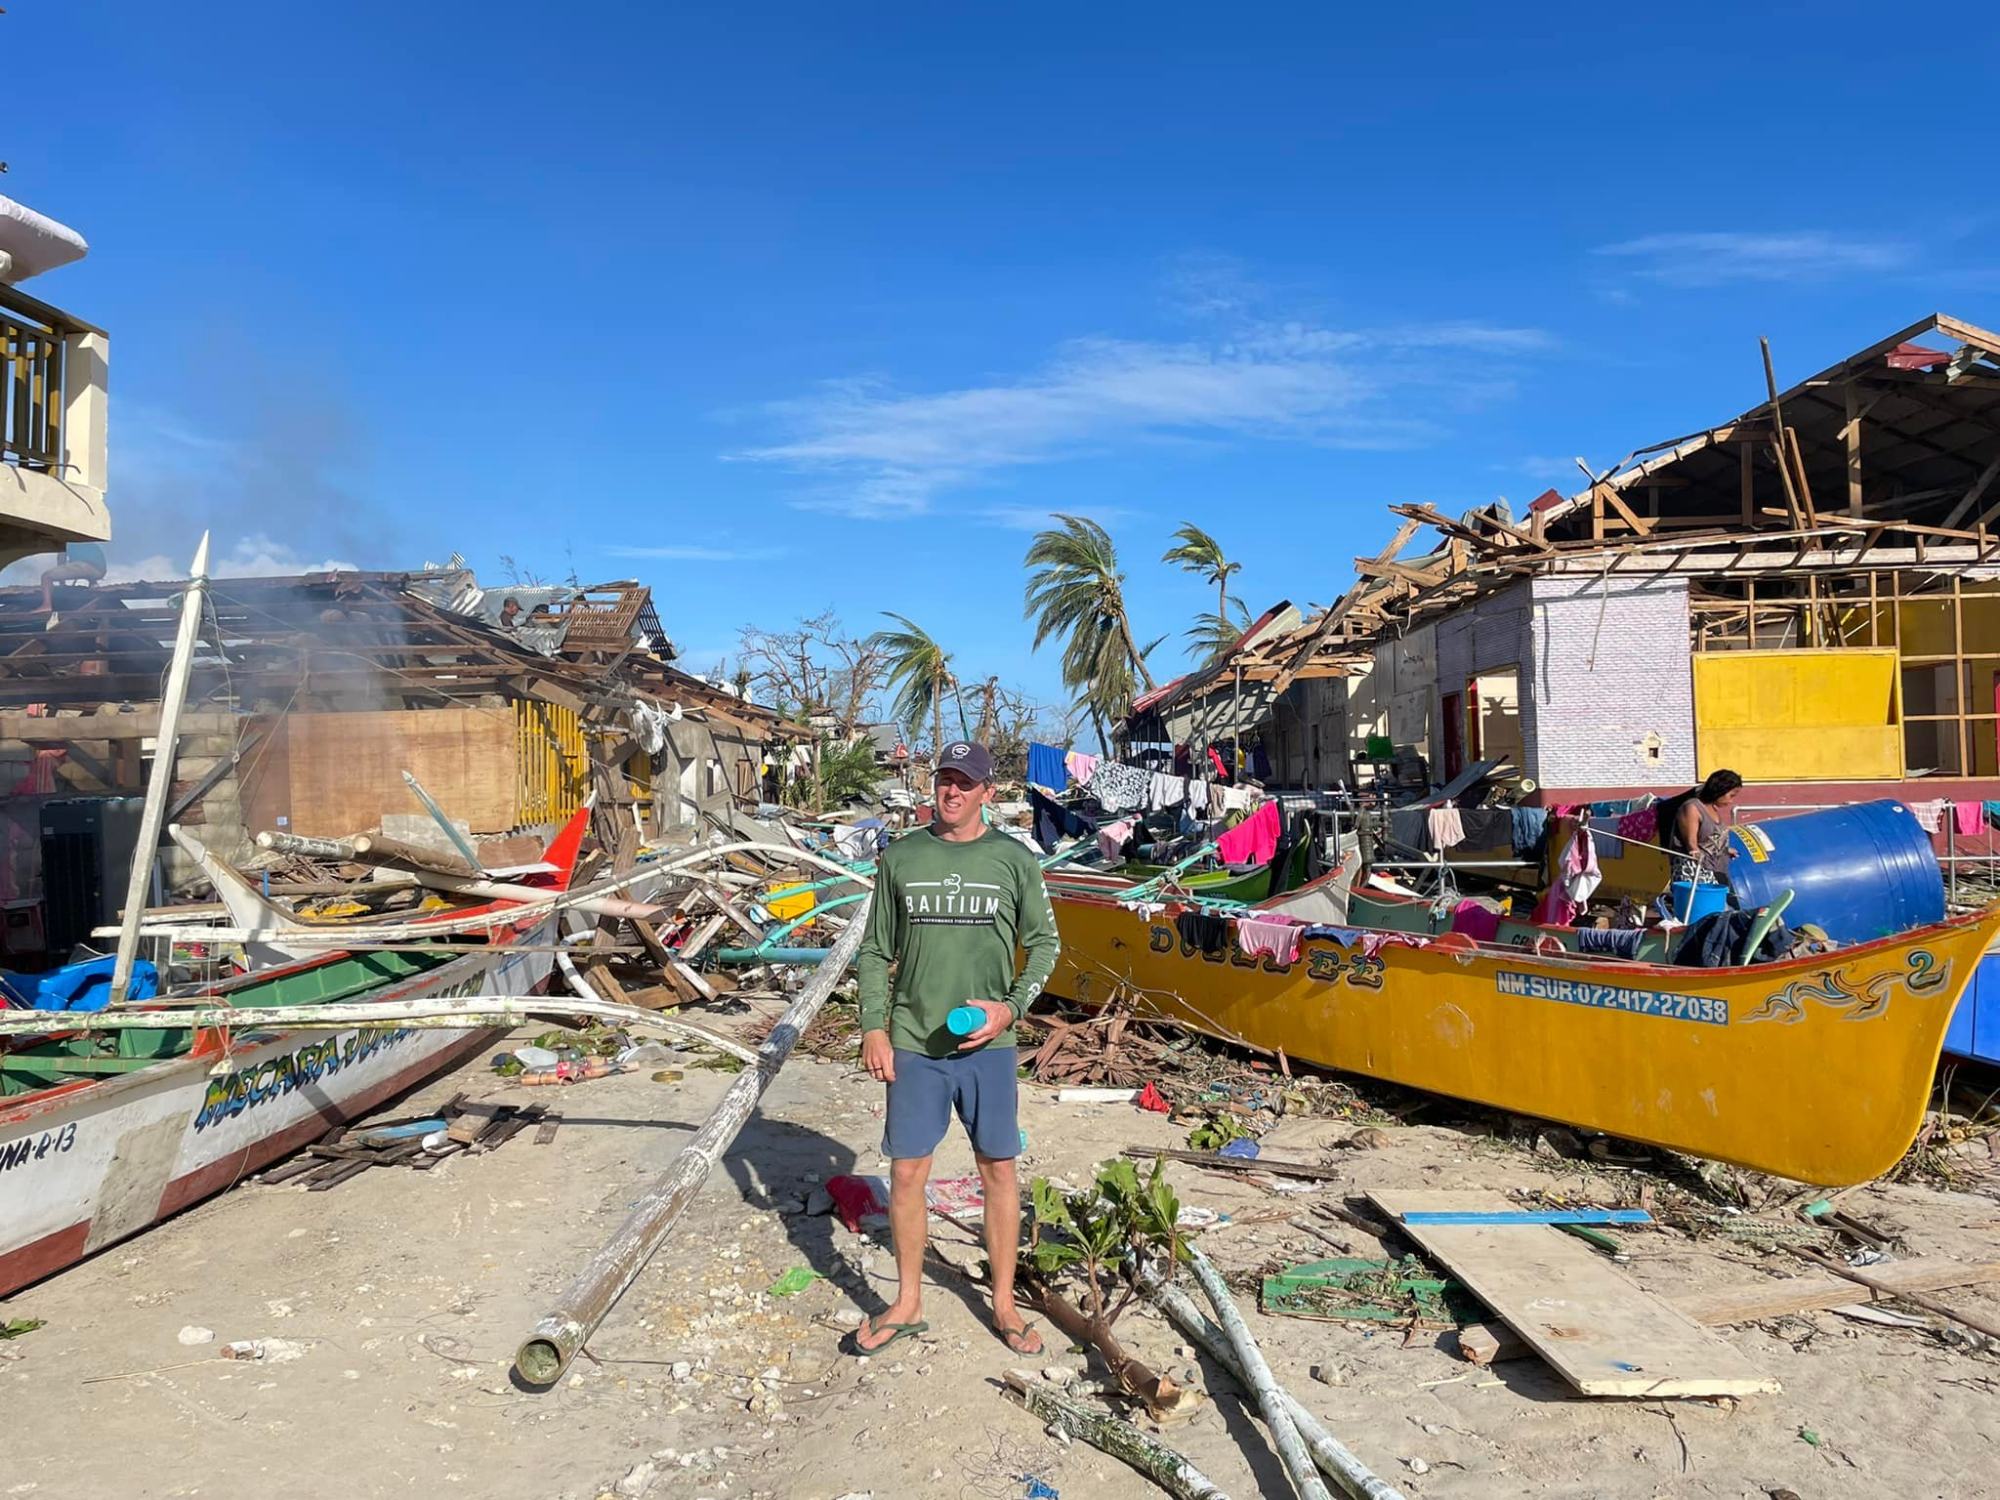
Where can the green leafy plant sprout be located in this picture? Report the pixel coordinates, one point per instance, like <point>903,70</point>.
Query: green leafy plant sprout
<point>1117,1225</point>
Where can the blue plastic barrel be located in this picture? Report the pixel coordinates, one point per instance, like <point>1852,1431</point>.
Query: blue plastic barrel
<point>1860,872</point>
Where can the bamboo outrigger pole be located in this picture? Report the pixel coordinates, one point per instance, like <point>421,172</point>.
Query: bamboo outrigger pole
<point>605,1276</point>
<point>161,782</point>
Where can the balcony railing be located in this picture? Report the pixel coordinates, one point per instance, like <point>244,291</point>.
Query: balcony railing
<point>34,360</point>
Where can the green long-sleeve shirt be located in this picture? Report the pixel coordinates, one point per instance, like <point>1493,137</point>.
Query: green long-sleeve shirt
<point>950,917</point>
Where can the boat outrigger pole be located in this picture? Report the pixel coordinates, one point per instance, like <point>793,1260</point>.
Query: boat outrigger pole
<point>161,782</point>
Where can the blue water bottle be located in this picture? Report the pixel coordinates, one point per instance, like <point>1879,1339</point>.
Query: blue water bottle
<point>965,1020</point>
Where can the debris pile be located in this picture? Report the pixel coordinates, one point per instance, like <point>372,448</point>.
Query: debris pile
<point>461,1127</point>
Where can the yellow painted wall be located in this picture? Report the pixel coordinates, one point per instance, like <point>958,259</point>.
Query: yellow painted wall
<point>1799,715</point>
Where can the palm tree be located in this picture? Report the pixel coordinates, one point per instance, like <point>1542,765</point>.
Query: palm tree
<point>1198,552</point>
<point>919,669</point>
<point>1077,592</point>
<point>1213,634</point>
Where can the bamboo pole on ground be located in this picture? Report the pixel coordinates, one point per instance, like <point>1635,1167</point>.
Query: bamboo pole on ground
<point>438,1013</point>
<point>153,815</point>
<point>1272,1399</point>
<point>1159,1463</point>
<point>1333,1457</point>
<point>597,1287</point>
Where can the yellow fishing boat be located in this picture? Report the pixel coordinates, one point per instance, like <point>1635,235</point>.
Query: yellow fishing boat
<point>1816,1069</point>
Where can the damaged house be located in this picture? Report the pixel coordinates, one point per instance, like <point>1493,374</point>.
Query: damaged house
<point>312,696</point>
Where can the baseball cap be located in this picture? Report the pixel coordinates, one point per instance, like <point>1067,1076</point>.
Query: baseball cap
<point>974,759</point>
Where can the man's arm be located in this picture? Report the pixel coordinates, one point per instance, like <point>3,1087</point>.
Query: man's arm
<point>878,949</point>
<point>1036,929</point>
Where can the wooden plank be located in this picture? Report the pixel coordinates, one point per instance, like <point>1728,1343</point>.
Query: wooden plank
<point>1774,1297</point>
<point>1588,1320</point>
<point>1852,433</point>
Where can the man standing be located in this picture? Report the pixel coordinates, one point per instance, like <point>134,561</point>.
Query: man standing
<point>953,902</point>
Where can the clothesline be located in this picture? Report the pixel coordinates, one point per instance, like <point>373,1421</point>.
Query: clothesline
<point>1122,788</point>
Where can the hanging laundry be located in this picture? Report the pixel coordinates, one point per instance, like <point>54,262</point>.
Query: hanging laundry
<point>1118,787</point>
<point>1487,827</point>
<point>1205,932</point>
<point>1347,937</point>
<point>1081,767</point>
<point>1260,763</point>
<point>1969,817</point>
<point>1476,920</point>
<point>1642,825</point>
<point>1993,813</point>
<point>1054,821</point>
<point>1275,937</point>
<point>1165,791</point>
<point>1111,839</point>
<point>1197,797</point>
<point>1572,888</point>
<point>1446,829</point>
<point>1047,767</point>
<point>1410,830</point>
<point>1373,943</point>
<point>1183,761</point>
<point>1605,832</point>
<point>1930,814</point>
<point>1234,798</point>
<point>1530,823</point>
<point>1254,840</point>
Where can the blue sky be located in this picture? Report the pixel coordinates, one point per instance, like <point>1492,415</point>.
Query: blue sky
<point>796,306</point>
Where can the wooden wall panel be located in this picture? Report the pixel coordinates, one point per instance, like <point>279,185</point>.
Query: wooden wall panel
<point>346,769</point>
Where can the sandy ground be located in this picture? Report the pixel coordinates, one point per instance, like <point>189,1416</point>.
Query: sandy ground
<point>403,1296</point>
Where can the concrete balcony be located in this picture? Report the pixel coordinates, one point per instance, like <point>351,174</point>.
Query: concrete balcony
<point>53,417</point>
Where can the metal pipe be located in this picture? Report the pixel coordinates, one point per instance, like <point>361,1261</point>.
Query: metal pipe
<point>161,783</point>
<point>554,1341</point>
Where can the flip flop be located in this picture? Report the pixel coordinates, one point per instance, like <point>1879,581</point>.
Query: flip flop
<point>1016,1339</point>
<point>902,1331</point>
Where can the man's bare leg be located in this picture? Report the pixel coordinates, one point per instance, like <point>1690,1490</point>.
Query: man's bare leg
<point>1001,1183</point>
<point>909,1230</point>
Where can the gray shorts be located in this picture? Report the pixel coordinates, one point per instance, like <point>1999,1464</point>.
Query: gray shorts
<point>980,1085</point>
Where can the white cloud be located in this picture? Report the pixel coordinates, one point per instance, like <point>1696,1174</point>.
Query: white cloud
<point>248,557</point>
<point>1041,517</point>
<point>875,450</point>
<point>700,554</point>
<point>1713,258</point>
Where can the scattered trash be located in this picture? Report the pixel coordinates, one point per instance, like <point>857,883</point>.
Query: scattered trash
<point>1151,1099</point>
<point>1099,1096</point>
<point>1037,1490</point>
<point>195,1334</point>
<point>14,1328</point>
<point>863,1200</point>
<point>1216,1132</point>
<point>1243,1147</point>
<point>243,1349</point>
<point>794,1281</point>
<point>1809,1437</point>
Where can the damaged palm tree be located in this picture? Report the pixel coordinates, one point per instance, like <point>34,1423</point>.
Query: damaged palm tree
<point>1100,1238</point>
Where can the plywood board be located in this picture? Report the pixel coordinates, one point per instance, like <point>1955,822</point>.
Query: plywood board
<point>1593,1324</point>
<point>1772,1297</point>
<point>346,769</point>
